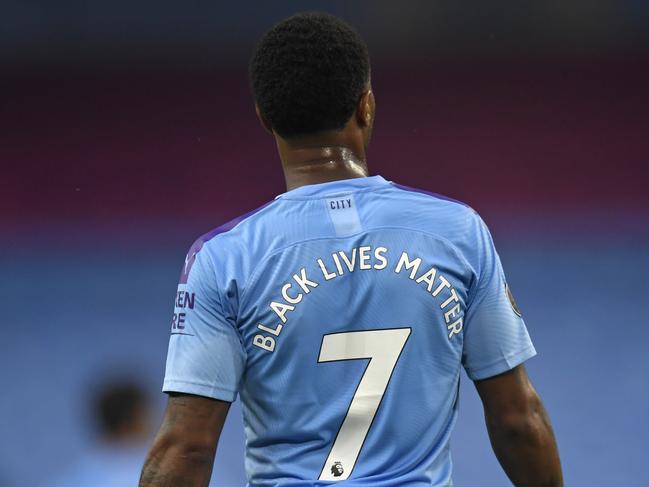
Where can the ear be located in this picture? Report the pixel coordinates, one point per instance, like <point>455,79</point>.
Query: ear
<point>264,122</point>
<point>365,109</point>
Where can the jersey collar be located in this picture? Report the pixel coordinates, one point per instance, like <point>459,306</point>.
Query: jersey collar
<point>335,187</point>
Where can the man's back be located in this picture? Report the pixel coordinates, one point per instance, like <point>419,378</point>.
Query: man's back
<point>342,311</point>
<point>342,314</point>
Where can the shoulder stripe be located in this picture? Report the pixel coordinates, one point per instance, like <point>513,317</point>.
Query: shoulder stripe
<point>429,193</point>
<point>226,227</point>
<point>203,239</point>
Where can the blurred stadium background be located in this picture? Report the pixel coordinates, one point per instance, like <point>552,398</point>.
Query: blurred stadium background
<point>127,130</point>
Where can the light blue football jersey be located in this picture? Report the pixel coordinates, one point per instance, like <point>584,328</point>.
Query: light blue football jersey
<point>341,313</point>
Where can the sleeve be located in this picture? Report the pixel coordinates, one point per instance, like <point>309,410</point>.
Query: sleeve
<point>495,337</point>
<point>206,356</point>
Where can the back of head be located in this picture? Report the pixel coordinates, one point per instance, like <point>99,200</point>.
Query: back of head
<point>120,410</point>
<point>308,73</point>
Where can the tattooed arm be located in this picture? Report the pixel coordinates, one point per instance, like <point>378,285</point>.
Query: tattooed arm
<point>183,451</point>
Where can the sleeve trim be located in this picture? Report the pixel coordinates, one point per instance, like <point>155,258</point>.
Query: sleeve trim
<point>199,389</point>
<point>501,365</point>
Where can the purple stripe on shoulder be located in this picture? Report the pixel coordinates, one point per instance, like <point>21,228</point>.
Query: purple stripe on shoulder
<point>429,193</point>
<point>203,239</point>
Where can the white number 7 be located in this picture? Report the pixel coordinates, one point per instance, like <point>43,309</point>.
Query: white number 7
<point>383,348</point>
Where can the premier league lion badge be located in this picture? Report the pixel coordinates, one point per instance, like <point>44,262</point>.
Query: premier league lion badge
<point>337,469</point>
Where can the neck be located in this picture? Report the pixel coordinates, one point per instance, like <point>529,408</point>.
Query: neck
<point>312,162</point>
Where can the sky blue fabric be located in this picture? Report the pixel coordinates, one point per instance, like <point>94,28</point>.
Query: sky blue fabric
<point>342,313</point>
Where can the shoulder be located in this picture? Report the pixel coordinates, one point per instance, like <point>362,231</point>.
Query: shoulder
<point>230,236</point>
<point>452,220</point>
<point>434,198</point>
<point>441,214</point>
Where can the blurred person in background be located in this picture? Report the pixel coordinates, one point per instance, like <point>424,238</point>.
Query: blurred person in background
<point>122,414</point>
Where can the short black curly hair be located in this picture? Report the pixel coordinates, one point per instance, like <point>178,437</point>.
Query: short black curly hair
<point>308,73</point>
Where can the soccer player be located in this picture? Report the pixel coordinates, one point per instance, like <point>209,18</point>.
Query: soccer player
<point>342,311</point>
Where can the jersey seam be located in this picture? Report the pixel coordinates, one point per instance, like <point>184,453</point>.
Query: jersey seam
<point>505,359</point>
<point>263,207</point>
<point>213,265</point>
<point>426,194</point>
<point>443,240</point>
<point>220,300</point>
<point>212,387</point>
<point>384,187</point>
<point>474,296</point>
<point>477,298</point>
<point>332,225</point>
